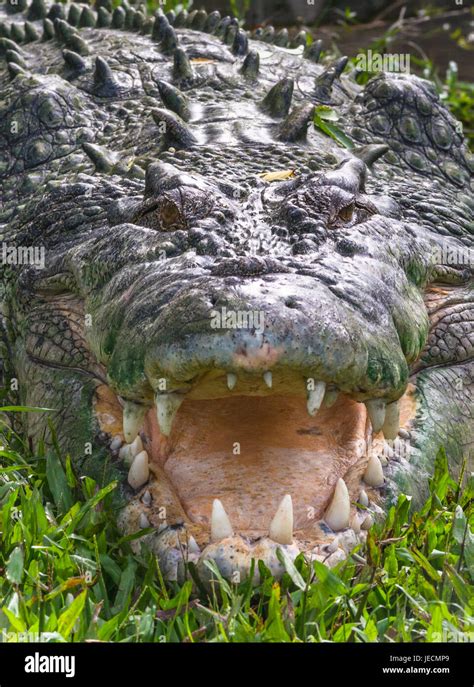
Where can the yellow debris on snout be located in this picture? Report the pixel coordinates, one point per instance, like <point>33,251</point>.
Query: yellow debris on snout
<point>278,176</point>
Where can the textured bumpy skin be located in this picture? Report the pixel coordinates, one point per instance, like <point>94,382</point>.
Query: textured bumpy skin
<point>132,149</point>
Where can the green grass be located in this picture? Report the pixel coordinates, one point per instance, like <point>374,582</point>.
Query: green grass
<point>66,571</point>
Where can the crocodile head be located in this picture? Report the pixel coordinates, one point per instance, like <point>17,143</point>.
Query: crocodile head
<point>265,335</point>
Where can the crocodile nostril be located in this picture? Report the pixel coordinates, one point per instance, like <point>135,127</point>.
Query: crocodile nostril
<point>291,302</point>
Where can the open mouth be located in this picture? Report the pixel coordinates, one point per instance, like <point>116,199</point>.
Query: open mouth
<point>243,465</point>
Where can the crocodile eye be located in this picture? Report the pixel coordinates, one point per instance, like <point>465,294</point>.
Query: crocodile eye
<point>171,216</point>
<point>346,213</point>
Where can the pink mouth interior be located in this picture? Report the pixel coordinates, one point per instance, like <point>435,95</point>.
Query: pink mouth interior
<point>250,451</point>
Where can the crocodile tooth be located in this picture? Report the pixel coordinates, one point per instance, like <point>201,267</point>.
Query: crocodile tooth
<point>104,18</point>
<point>332,547</point>
<point>103,160</point>
<point>373,475</point>
<point>376,410</point>
<point>268,379</point>
<point>174,130</point>
<point>220,523</point>
<point>312,52</point>
<point>367,522</point>
<point>193,545</point>
<point>392,421</point>
<point>355,524</point>
<point>295,126</point>
<point>116,443</point>
<point>133,416</point>
<point>160,25</point>
<point>146,498</point>
<point>128,452</point>
<point>136,446</point>
<point>212,21</point>
<point>74,61</point>
<point>277,102</point>
<point>363,498</point>
<point>240,44</point>
<point>281,527</point>
<point>143,521</point>
<point>231,380</point>
<point>251,65</point>
<point>330,398</point>
<point>37,10</point>
<point>167,406</point>
<point>181,65</point>
<point>339,510</point>
<point>31,34</point>
<point>124,454</point>
<point>370,153</point>
<point>139,471</point>
<point>174,100</point>
<point>118,18</point>
<point>315,398</point>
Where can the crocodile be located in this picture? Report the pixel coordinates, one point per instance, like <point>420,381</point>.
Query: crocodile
<point>264,334</point>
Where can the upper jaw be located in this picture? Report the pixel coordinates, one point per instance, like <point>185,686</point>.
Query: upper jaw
<point>295,326</point>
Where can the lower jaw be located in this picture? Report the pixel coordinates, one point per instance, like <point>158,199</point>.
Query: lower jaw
<point>249,452</point>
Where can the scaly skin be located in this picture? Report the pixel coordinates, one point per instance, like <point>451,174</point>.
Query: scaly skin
<point>133,155</point>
